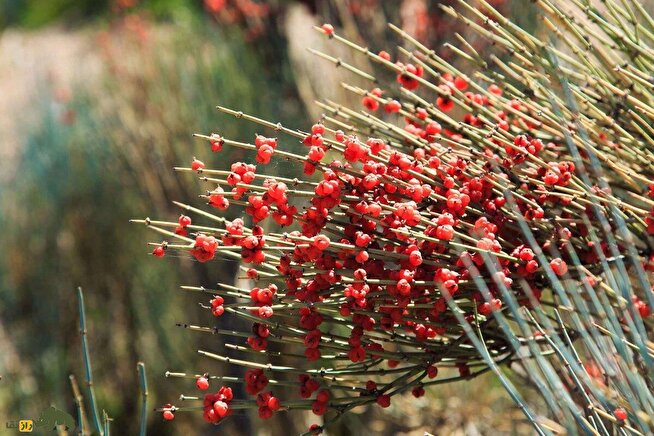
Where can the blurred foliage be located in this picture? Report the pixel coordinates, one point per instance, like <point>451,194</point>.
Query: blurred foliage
<point>99,156</point>
<point>35,13</point>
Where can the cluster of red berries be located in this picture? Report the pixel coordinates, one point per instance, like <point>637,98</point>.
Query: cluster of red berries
<point>204,248</point>
<point>370,102</point>
<point>641,306</point>
<point>265,148</point>
<point>216,406</point>
<point>308,385</point>
<point>268,404</point>
<point>217,307</point>
<point>184,221</point>
<point>255,381</point>
<point>400,224</point>
<point>258,340</point>
<point>263,297</point>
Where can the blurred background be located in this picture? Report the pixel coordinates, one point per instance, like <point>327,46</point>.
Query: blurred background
<point>98,101</point>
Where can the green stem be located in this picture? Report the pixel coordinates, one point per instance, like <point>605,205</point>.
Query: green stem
<point>87,363</point>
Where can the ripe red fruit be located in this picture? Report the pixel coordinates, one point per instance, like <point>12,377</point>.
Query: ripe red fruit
<point>159,251</point>
<point>321,242</point>
<point>318,408</point>
<point>202,383</point>
<point>197,165</point>
<point>370,103</point>
<point>384,400</point>
<point>620,414</point>
<point>217,144</point>
<point>392,106</point>
<point>494,89</point>
<point>265,312</point>
<point>460,83</point>
<point>384,55</point>
<point>643,309</point>
<point>217,301</point>
<point>318,129</point>
<point>362,256</point>
<point>485,308</point>
<point>328,29</point>
<point>265,412</point>
<point>446,233</point>
<point>217,311</point>
<point>264,154</point>
<point>408,81</point>
<point>531,266</point>
<point>184,220</point>
<point>559,266</point>
<point>221,408</point>
<point>415,258</point>
<point>323,396</point>
<point>168,415</point>
<point>273,404</point>
<point>418,391</point>
<point>445,104</point>
<point>550,178</point>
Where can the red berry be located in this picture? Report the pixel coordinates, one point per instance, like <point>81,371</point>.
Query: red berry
<point>328,29</point>
<point>494,89</point>
<point>321,242</point>
<point>221,408</point>
<point>197,165</point>
<point>445,104</point>
<point>159,251</point>
<point>384,400</point>
<point>318,408</point>
<point>415,258</point>
<point>184,220</point>
<point>370,103</point>
<point>551,178</point>
<point>217,301</point>
<point>265,312</point>
<point>202,383</point>
<point>460,83</point>
<point>418,391</point>
<point>445,233</point>
<point>643,309</point>
<point>362,256</point>
<point>392,106</point>
<point>168,415</point>
<point>217,144</point>
<point>559,266</point>
<point>323,396</point>
<point>273,404</point>
<point>318,129</point>
<point>620,414</point>
<point>485,308</point>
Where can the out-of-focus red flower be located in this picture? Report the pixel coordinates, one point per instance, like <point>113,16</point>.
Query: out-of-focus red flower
<point>214,6</point>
